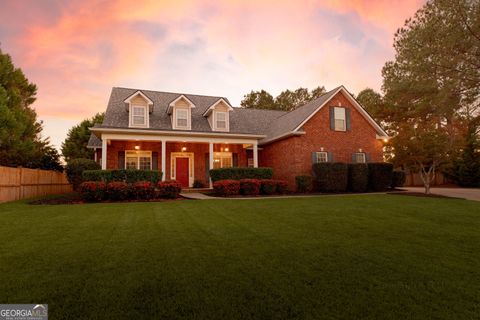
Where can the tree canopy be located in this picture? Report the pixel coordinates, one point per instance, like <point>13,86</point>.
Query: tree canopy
<point>20,132</point>
<point>75,145</point>
<point>287,100</point>
<point>432,87</point>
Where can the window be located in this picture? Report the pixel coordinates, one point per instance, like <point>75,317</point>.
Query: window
<point>221,120</point>
<point>340,119</point>
<point>138,116</point>
<point>359,157</point>
<point>181,118</point>
<point>138,160</point>
<point>322,156</point>
<point>222,160</point>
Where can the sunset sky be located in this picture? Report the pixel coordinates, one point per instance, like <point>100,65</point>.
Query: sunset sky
<point>75,51</point>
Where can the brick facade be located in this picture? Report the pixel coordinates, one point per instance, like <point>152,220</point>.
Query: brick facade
<point>292,156</point>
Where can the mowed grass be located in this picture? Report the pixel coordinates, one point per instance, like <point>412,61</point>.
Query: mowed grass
<point>330,257</point>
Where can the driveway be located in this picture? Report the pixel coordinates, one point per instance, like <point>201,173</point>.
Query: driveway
<point>469,194</point>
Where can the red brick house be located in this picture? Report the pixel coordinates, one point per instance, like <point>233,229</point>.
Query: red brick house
<point>184,135</point>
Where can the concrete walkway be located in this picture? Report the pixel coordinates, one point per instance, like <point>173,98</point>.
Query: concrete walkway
<point>469,194</point>
<point>201,196</point>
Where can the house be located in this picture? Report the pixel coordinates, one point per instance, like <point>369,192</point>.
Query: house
<point>184,135</point>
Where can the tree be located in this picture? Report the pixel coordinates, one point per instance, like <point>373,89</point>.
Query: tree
<point>258,100</point>
<point>433,83</point>
<point>466,168</point>
<point>20,140</point>
<point>75,145</point>
<point>287,100</point>
<point>373,103</point>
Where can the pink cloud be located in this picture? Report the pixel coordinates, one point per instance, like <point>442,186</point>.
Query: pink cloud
<point>76,51</point>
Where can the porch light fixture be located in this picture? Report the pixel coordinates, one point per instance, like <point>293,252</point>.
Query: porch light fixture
<point>385,140</point>
<point>360,150</point>
<point>226,149</point>
<point>137,147</point>
<point>184,149</point>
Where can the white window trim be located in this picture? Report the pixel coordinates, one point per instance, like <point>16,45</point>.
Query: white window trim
<point>223,155</point>
<point>323,153</point>
<point>364,157</point>
<point>344,118</point>
<point>227,122</point>
<point>138,154</point>
<point>147,118</point>
<point>189,119</point>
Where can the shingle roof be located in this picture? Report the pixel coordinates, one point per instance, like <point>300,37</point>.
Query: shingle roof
<point>94,142</point>
<point>270,123</point>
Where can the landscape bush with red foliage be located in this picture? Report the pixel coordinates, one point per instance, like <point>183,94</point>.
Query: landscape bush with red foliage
<point>117,191</point>
<point>93,191</point>
<point>268,186</point>
<point>143,190</point>
<point>226,188</point>
<point>169,189</point>
<point>250,187</point>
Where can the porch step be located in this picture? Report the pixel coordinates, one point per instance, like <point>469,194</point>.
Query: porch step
<point>196,190</point>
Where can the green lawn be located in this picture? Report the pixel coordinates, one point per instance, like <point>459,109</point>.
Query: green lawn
<point>330,257</point>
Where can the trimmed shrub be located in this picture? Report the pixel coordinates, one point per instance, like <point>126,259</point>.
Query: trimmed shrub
<point>128,176</point>
<point>380,176</point>
<point>198,184</point>
<point>239,173</point>
<point>226,188</point>
<point>250,187</point>
<point>358,177</point>
<point>142,190</point>
<point>92,191</point>
<point>398,178</point>
<point>169,189</point>
<point>303,183</point>
<point>117,190</point>
<point>331,176</point>
<point>75,169</point>
<point>268,186</point>
<point>281,186</point>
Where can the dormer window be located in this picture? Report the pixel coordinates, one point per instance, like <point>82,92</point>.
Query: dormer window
<point>139,106</point>
<point>181,118</point>
<point>180,111</point>
<point>221,120</point>
<point>218,115</point>
<point>139,116</point>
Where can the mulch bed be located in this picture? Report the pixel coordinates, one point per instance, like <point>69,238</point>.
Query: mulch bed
<point>75,198</point>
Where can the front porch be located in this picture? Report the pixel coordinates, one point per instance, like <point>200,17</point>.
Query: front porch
<point>185,159</point>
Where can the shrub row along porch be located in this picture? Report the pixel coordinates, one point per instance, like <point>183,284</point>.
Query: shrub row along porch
<point>186,160</point>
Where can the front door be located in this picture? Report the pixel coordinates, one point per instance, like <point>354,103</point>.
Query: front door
<point>181,171</point>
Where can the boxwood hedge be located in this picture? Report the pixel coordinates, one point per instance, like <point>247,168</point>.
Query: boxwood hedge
<point>331,176</point>
<point>358,177</point>
<point>380,176</point>
<point>128,176</point>
<point>239,173</point>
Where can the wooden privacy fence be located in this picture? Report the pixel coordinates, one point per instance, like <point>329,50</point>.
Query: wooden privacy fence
<point>413,179</point>
<point>22,183</point>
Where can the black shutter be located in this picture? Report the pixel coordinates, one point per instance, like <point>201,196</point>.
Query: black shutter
<point>121,160</point>
<point>235,160</point>
<point>367,157</point>
<point>332,118</point>
<point>207,167</point>
<point>154,160</point>
<point>354,158</point>
<point>329,157</point>
<point>314,157</point>
<point>347,119</point>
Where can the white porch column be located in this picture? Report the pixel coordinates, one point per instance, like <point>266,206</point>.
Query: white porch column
<point>210,160</point>
<point>104,154</point>
<point>164,160</point>
<point>95,154</point>
<point>255,154</point>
